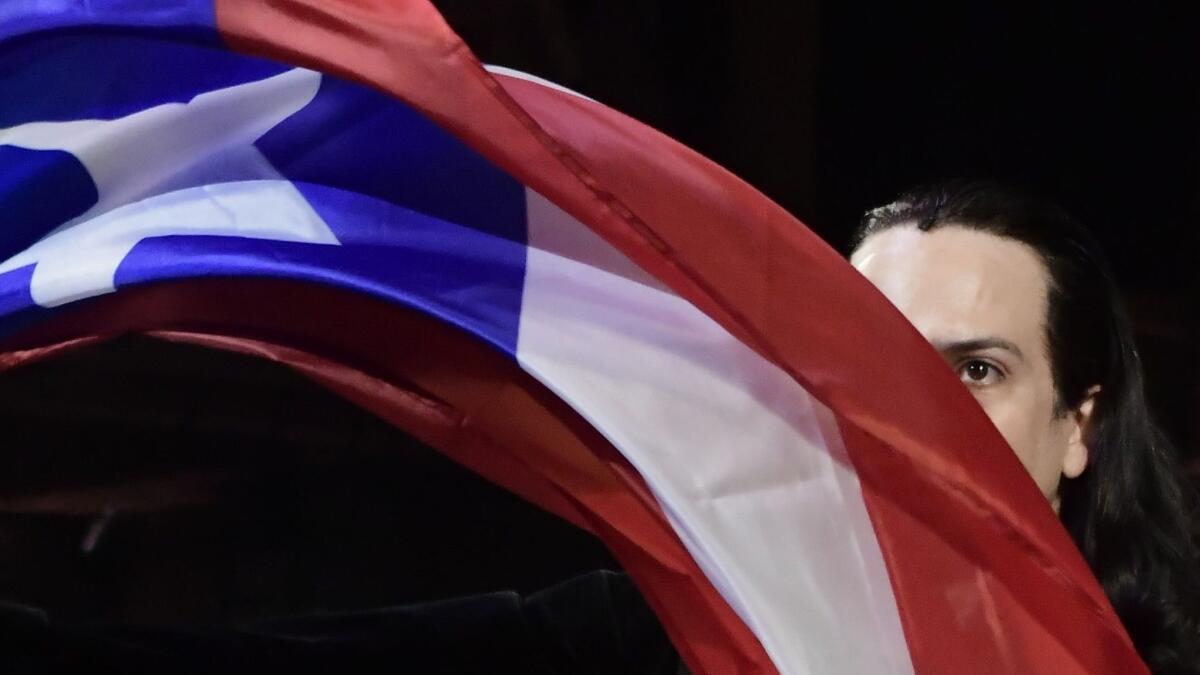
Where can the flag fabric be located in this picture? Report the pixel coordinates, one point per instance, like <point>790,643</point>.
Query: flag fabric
<point>562,299</point>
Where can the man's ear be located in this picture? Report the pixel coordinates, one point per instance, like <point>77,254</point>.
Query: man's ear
<point>1075,460</point>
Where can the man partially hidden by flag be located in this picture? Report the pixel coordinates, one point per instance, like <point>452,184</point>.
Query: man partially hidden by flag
<point>615,328</point>
<point>1019,300</point>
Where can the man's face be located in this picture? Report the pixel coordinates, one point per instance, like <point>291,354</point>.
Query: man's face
<point>981,301</point>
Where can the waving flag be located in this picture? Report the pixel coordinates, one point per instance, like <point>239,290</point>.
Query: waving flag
<point>558,297</point>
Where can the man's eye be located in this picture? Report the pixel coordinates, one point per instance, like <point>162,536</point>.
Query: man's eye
<point>979,373</point>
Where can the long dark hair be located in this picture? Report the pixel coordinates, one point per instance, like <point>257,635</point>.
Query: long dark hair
<point>1130,511</point>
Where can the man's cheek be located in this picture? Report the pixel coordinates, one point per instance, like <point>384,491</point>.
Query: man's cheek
<point>1007,418</point>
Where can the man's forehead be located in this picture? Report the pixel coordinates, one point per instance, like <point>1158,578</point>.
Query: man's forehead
<point>957,284</point>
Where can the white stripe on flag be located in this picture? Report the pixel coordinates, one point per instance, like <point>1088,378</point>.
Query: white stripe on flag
<point>749,468</point>
<point>521,75</point>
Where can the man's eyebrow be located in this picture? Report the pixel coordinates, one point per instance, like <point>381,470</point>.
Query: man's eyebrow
<point>977,345</point>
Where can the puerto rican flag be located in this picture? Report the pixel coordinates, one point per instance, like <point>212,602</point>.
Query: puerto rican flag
<point>554,295</point>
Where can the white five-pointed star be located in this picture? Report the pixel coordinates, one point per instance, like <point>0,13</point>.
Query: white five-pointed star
<point>177,168</point>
